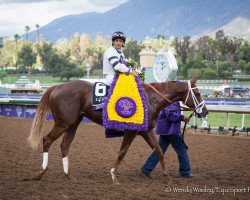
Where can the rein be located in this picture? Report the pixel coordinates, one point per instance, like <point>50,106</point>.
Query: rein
<point>167,99</point>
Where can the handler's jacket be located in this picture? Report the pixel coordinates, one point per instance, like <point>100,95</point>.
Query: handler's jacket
<point>112,62</point>
<point>169,120</point>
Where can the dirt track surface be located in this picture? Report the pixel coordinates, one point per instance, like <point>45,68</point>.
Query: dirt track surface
<point>222,163</point>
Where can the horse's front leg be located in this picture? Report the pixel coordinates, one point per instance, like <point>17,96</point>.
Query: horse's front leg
<point>126,142</point>
<point>150,138</point>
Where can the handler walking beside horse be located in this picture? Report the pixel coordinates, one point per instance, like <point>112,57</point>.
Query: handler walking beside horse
<point>168,127</point>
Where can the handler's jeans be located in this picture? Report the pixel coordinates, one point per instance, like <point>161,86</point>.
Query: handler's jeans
<point>180,148</point>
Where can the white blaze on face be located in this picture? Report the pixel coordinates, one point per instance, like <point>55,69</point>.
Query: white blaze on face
<point>45,160</point>
<point>65,161</point>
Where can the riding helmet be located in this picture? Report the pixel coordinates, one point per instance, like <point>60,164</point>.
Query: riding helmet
<point>118,35</point>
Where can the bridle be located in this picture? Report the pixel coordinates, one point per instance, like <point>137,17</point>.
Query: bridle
<point>198,105</point>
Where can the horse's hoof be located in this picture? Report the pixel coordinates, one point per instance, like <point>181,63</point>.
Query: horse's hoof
<point>26,179</point>
<point>67,176</point>
<point>167,177</point>
<point>166,174</point>
<point>116,183</point>
<point>72,178</point>
<point>37,177</point>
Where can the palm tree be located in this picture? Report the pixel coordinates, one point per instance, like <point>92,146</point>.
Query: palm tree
<point>27,29</point>
<point>1,42</point>
<point>17,37</point>
<point>160,36</point>
<point>38,36</point>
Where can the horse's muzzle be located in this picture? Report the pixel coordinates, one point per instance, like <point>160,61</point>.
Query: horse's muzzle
<point>203,114</point>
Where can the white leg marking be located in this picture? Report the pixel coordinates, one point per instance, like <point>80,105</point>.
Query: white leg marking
<point>112,172</point>
<point>45,160</point>
<point>65,161</point>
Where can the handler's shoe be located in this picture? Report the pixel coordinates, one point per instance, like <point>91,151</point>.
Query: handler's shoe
<point>146,174</point>
<point>189,176</point>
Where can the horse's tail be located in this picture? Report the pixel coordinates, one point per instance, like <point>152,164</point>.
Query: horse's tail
<point>37,125</point>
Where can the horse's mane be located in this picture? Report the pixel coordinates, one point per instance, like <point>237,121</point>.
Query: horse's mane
<point>171,86</point>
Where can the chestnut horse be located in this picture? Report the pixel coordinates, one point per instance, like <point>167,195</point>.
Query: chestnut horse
<point>72,101</point>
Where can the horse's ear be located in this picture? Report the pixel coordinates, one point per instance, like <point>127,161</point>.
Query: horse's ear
<point>193,80</point>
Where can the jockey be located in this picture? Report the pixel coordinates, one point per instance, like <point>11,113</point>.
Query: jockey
<point>113,57</point>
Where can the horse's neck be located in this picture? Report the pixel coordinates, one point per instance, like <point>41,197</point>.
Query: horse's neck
<point>155,100</point>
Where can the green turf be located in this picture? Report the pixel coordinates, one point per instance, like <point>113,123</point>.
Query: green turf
<point>11,79</point>
<point>220,119</point>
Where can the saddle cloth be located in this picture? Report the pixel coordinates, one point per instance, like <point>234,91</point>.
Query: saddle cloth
<point>100,92</point>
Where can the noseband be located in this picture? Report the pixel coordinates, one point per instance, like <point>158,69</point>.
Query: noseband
<point>198,105</point>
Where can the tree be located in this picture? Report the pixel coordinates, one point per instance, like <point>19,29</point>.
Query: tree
<point>85,42</point>
<point>224,69</point>
<point>27,29</point>
<point>38,34</point>
<point>192,65</point>
<point>226,46</point>
<point>70,71</point>
<point>208,73</point>
<point>63,68</point>
<point>97,60</point>
<point>2,75</point>
<point>221,41</point>
<point>159,36</point>
<point>204,49</point>
<point>17,37</point>
<point>182,48</point>
<point>194,72</point>
<point>242,64</point>
<point>46,52</point>
<point>75,49</point>
<point>1,42</point>
<point>247,68</point>
<point>243,53</point>
<point>132,50</point>
<point>63,45</point>
<point>26,57</point>
<point>58,64</point>
<point>8,55</point>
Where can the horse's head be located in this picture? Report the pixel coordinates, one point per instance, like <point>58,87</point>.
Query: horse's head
<point>193,99</point>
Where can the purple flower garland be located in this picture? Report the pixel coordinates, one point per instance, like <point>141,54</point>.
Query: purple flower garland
<point>112,124</point>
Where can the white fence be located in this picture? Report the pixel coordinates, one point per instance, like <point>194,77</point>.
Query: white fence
<point>228,110</point>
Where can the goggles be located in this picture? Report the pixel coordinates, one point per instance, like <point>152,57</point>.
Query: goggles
<point>119,35</point>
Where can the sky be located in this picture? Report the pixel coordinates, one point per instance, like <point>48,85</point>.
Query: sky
<point>16,14</point>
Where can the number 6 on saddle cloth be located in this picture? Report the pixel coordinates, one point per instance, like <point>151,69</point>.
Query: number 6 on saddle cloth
<point>100,92</point>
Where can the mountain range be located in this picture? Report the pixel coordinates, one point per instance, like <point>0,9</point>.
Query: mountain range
<point>141,18</point>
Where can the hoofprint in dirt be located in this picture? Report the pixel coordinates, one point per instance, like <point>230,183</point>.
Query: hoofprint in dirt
<point>222,164</point>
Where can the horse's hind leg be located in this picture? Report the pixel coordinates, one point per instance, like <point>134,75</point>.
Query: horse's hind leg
<point>127,140</point>
<point>65,145</point>
<point>54,134</point>
<point>149,137</point>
